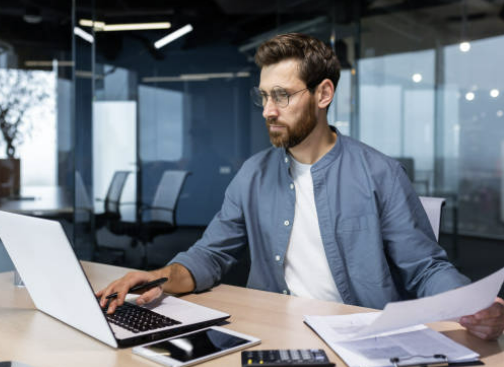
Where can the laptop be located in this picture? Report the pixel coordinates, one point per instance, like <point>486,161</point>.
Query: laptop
<point>56,282</point>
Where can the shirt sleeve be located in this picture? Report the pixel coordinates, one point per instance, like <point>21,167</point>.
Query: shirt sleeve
<point>410,243</point>
<point>222,244</point>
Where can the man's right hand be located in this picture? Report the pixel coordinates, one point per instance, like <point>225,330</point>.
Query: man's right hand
<point>179,281</point>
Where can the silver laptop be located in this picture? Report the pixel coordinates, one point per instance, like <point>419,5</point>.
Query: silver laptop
<point>53,276</point>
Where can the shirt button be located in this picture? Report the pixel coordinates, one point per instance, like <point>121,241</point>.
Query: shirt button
<point>291,186</point>
<point>286,223</point>
<point>284,291</point>
<point>277,257</point>
<point>286,160</point>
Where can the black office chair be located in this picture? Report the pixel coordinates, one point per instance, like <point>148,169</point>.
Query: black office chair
<point>158,218</point>
<point>111,214</point>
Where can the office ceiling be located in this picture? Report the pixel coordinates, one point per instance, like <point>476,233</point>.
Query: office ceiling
<point>43,27</point>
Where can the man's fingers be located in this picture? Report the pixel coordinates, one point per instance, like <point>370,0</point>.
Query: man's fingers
<point>149,295</point>
<point>496,310</point>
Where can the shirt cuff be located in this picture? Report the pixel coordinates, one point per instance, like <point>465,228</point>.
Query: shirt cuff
<point>198,267</point>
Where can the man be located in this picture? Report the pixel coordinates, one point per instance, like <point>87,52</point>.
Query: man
<point>322,215</point>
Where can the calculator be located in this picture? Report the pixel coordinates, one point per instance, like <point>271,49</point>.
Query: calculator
<point>285,358</point>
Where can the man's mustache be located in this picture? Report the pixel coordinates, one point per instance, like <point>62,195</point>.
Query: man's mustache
<point>275,122</point>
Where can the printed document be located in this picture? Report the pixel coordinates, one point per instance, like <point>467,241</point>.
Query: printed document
<point>412,345</point>
<point>450,305</point>
<point>372,339</point>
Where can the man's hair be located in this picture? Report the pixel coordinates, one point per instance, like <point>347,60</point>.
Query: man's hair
<point>316,60</point>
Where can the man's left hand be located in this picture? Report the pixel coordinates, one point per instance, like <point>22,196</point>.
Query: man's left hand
<point>487,324</point>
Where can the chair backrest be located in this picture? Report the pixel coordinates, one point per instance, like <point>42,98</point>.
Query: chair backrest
<point>408,164</point>
<point>114,192</point>
<point>166,198</point>
<point>433,207</point>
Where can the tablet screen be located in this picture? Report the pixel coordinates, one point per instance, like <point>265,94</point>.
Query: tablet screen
<point>196,345</point>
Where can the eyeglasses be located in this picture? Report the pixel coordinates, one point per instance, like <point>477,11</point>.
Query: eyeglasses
<point>278,95</point>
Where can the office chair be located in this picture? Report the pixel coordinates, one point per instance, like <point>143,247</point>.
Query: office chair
<point>433,207</point>
<point>112,213</point>
<point>157,218</point>
<point>408,165</point>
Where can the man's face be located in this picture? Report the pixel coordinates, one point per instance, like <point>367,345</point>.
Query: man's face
<point>287,126</point>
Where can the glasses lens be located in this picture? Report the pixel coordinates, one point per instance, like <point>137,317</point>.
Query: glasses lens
<point>258,97</point>
<point>280,97</point>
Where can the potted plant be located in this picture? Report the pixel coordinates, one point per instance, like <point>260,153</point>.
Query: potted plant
<point>20,92</point>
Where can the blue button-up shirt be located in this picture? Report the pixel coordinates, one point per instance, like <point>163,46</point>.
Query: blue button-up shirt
<point>377,238</point>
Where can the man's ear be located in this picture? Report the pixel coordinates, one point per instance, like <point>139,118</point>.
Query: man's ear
<point>325,93</point>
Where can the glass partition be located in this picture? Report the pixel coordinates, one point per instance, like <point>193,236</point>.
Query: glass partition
<point>36,146</point>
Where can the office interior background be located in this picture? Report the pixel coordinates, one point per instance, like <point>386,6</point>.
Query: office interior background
<point>81,100</point>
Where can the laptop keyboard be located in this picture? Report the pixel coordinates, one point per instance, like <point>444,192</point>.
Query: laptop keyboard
<point>138,319</point>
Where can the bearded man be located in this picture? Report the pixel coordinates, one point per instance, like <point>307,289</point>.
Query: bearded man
<point>322,215</point>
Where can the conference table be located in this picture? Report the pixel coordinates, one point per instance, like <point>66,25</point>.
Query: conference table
<point>40,201</point>
<point>38,340</point>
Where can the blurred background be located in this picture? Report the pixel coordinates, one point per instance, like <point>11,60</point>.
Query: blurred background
<point>103,104</point>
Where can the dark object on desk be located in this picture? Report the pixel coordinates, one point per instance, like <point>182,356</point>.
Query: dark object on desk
<point>285,358</point>
<point>156,219</point>
<point>13,364</point>
<point>139,287</point>
<point>19,198</point>
<point>10,177</point>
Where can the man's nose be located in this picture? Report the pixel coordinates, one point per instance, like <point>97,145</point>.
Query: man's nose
<point>270,109</point>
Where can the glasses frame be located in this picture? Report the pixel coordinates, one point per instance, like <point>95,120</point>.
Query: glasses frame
<point>260,98</point>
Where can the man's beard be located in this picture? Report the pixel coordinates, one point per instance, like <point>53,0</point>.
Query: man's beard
<point>293,135</point>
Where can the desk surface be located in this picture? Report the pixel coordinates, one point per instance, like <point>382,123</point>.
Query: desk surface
<point>40,201</point>
<point>31,337</point>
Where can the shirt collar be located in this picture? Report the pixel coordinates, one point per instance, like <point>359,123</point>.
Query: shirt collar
<point>327,159</point>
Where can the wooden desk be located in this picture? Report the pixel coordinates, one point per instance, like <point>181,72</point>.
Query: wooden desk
<point>31,337</point>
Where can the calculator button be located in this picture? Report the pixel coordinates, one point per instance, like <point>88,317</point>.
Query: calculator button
<point>294,354</point>
<point>306,355</point>
<point>284,355</point>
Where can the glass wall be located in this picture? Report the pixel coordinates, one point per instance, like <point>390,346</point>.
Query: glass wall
<point>36,165</point>
<point>430,94</point>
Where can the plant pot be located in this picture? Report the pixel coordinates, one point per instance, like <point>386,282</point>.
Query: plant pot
<point>10,177</point>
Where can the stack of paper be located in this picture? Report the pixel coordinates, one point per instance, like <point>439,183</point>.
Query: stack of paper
<point>373,339</point>
<point>412,345</point>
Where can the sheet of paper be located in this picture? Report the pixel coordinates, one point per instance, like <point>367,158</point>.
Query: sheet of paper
<point>416,344</point>
<point>449,305</point>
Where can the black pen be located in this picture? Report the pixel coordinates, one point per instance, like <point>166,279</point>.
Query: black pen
<point>138,287</point>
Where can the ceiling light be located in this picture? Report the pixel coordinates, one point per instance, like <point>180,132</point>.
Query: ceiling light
<point>494,93</point>
<point>195,77</point>
<point>32,15</point>
<point>48,63</point>
<point>469,96</point>
<point>135,26</point>
<point>83,34</point>
<point>102,26</point>
<point>417,78</point>
<point>500,113</point>
<point>465,46</point>
<point>89,23</point>
<point>173,36</point>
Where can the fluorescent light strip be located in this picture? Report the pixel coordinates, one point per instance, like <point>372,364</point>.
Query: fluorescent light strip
<point>173,36</point>
<point>102,26</point>
<point>90,23</point>
<point>195,77</point>
<point>135,26</point>
<point>47,63</point>
<point>83,34</point>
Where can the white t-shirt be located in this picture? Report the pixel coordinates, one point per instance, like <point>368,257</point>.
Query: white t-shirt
<point>307,272</point>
